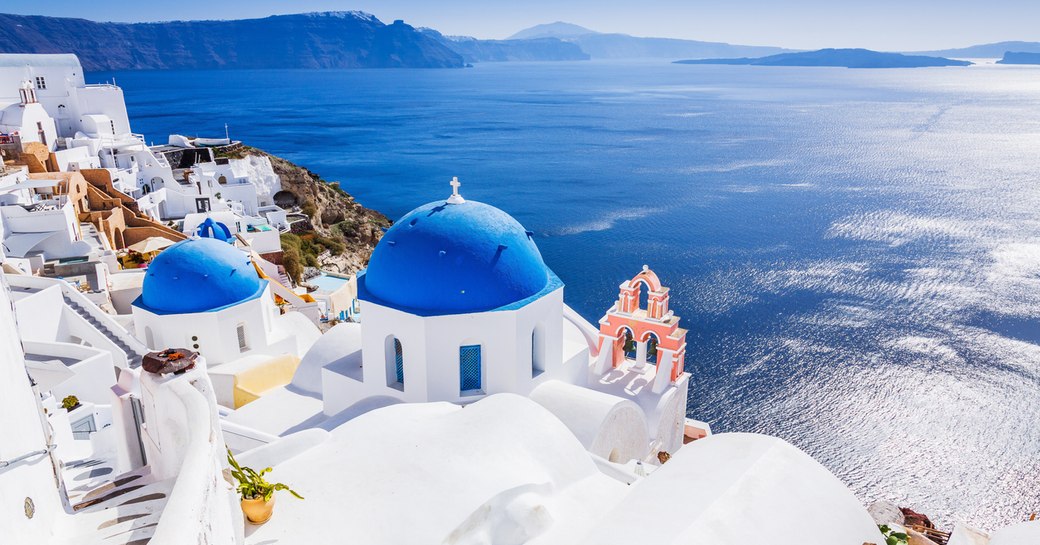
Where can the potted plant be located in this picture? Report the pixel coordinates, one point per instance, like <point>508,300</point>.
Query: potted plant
<point>257,494</point>
<point>69,403</point>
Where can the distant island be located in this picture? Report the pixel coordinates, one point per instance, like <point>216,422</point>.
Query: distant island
<point>847,58</point>
<point>983,51</point>
<point>1019,57</point>
<point>600,45</point>
<point>543,48</point>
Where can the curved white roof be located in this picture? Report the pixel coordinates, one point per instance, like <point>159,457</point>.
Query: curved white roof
<point>501,470</point>
<point>341,344</point>
<point>738,488</point>
<point>8,60</point>
<point>1017,534</point>
<point>605,424</point>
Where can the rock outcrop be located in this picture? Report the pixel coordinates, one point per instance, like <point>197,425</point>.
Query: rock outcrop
<point>329,212</point>
<point>1020,57</point>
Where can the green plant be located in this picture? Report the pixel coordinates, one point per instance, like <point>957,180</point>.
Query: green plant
<point>69,403</point>
<point>252,485</point>
<point>892,537</point>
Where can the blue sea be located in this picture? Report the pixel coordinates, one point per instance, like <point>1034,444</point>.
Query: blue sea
<point>856,253</point>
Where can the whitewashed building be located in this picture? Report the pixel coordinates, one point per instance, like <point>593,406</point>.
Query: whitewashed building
<point>457,305</point>
<point>205,295</point>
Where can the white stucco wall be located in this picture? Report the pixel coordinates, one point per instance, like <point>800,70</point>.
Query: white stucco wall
<point>23,433</point>
<point>216,332</point>
<point>431,350</point>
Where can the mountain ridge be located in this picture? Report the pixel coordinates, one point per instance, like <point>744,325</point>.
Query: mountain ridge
<point>311,40</point>
<point>600,45</point>
<point>533,49</point>
<point>558,29</point>
<point>985,51</point>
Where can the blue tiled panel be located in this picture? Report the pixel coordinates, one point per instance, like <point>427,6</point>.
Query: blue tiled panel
<point>469,368</point>
<point>399,361</point>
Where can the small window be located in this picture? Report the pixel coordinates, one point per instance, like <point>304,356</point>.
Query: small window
<point>537,353</point>
<point>651,348</point>
<point>470,372</point>
<point>243,343</point>
<point>398,361</point>
<point>222,180</point>
<point>41,83</point>
<point>394,363</point>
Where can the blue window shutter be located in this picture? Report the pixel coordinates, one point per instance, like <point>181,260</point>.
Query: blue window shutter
<point>399,361</point>
<point>469,368</point>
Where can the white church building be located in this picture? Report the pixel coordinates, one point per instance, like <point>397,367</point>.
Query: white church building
<point>458,304</point>
<point>205,295</point>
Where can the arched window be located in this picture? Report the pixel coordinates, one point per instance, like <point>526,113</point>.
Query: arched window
<point>629,346</point>
<point>537,352</point>
<point>470,370</point>
<point>644,296</point>
<point>651,348</point>
<point>394,362</point>
<point>243,342</point>
<point>222,180</point>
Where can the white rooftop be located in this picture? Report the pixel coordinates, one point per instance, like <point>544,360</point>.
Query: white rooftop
<point>738,488</point>
<point>8,60</point>
<point>502,470</point>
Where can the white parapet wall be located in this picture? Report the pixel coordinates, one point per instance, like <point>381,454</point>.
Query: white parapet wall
<point>186,443</point>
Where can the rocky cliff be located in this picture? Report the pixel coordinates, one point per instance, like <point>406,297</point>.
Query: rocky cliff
<point>311,40</point>
<point>339,233</point>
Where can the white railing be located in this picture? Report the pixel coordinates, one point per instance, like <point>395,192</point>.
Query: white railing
<point>73,295</point>
<point>241,438</point>
<point>590,333</point>
<point>103,317</point>
<point>198,510</point>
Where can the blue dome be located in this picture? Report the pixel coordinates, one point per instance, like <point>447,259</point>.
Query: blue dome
<point>199,275</point>
<point>455,258</point>
<point>214,229</point>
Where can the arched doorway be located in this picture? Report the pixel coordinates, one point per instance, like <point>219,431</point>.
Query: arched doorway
<point>643,300</point>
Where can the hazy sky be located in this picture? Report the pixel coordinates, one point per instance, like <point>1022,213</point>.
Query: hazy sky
<point>807,24</point>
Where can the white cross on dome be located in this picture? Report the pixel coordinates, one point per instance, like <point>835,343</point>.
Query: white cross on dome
<point>455,198</point>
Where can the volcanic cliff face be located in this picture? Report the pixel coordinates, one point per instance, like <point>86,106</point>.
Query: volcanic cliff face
<point>322,212</point>
<point>311,40</point>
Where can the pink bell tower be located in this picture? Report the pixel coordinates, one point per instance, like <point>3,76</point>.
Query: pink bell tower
<point>637,337</point>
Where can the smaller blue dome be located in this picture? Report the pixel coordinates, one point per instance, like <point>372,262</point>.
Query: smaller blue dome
<point>214,229</point>
<point>199,275</point>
